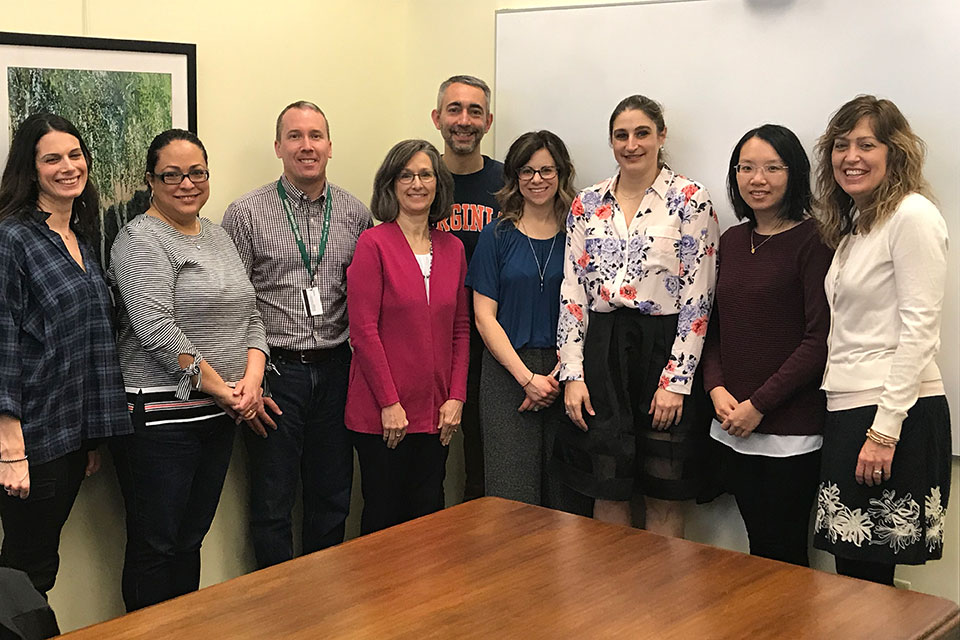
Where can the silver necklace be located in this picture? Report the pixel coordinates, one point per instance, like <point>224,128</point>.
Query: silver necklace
<point>541,271</point>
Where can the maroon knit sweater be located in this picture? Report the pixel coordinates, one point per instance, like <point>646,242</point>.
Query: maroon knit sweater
<point>767,339</point>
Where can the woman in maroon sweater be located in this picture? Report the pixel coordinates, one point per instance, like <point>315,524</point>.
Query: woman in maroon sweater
<point>766,346</point>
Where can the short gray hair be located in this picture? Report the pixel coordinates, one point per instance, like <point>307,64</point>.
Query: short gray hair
<point>300,104</point>
<point>384,205</point>
<point>468,80</point>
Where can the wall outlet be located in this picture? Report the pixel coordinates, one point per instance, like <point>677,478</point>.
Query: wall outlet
<point>901,584</point>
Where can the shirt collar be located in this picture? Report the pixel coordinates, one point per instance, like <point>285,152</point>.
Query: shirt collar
<point>297,195</point>
<point>661,184</point>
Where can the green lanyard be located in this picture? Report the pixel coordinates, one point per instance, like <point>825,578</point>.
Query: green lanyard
<point>304,254</point>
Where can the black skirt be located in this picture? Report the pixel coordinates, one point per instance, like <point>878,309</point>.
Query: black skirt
<point>901,520</point>
<point>621,454</point>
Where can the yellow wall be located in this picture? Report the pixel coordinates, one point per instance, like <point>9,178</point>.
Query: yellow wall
<point>374,67</point>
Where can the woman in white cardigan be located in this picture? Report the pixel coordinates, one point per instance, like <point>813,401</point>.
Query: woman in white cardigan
<point>885,475</point>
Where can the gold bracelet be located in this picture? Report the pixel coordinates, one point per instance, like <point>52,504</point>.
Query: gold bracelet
<point>881,439</point>
<point>532,376</point>
<point>12,460</point>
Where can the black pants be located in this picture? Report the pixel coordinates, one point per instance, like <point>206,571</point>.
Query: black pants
<point>31,527</point>
<point>775,496</point>
<point>473,486</point>
<point>399,484</point>
<point>171,477</point>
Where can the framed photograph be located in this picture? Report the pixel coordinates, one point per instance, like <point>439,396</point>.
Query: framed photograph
<point>118,93</point>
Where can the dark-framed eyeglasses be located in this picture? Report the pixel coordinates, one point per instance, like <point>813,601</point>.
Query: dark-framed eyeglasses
<point>547,172</point>
<point>175,177</point>
<point>426,176</point>
<point>767,169</point>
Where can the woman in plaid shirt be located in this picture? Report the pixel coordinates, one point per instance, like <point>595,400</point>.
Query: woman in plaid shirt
<point>60,385</point>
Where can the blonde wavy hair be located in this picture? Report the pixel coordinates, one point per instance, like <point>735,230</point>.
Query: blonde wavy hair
<point>905,156</point>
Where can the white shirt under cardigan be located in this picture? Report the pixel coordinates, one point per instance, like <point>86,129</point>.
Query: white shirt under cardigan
<point>885,289</point>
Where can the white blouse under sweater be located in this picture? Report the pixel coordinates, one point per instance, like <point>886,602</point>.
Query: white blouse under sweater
<point>885,289</point>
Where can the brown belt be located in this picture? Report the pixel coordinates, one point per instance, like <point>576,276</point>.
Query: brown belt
<point>311,356</point>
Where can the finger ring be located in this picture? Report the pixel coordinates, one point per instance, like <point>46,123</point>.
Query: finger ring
<point>878,472</point>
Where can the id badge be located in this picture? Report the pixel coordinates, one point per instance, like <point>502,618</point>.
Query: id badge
<point>311,301</point>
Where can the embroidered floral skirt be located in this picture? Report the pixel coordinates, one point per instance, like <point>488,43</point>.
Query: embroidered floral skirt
<point>901,520</point>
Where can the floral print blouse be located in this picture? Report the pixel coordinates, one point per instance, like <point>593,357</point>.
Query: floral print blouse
<point>665,263</point>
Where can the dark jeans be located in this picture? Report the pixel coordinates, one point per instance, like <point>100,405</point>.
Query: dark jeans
<point>775,496</point>
<point>31,527</point>
<point>171,477</point>
<point>310,446</point>
<point>399,484</point>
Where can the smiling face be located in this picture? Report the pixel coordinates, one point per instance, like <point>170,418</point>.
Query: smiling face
<point>304,147</point>
<point>463,118</point>
<point>415,198</point>
<point>537,190</point>
<point>636,143</point>
<point>764,187</point>
<point>61,169</point>
<point>183,201</point>
<point>859,162</point>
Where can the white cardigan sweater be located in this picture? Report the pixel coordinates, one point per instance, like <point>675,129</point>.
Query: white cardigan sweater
<point>885,290</point>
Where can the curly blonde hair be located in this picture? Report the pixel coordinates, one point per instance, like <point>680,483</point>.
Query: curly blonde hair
<point>905,156</point>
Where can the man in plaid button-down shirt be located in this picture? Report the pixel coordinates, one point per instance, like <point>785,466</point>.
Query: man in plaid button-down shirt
<point>296,236</point>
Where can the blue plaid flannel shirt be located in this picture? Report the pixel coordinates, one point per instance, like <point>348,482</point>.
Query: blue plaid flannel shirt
<point>59,372</point>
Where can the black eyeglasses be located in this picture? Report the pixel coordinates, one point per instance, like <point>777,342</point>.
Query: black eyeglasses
<point>175,177</point>
<point>546,172</point>
<point>406,177</point>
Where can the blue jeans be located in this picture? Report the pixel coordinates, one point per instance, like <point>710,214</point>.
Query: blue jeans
<point>310,446</point>
<point>171,477</point>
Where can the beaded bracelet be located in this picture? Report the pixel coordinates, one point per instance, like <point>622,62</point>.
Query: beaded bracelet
<point>881,439</point>
<point>11,461</point>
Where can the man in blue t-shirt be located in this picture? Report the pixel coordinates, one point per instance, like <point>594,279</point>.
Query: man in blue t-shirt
<point>463,117</point>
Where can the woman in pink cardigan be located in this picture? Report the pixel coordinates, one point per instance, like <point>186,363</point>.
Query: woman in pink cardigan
<point>410,331</point>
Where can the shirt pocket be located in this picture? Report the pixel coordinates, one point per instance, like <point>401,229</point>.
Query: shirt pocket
<point>663,249</point>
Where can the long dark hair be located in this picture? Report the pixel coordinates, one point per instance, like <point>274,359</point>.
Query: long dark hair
<point>797,199</point>
<point>18,187</point>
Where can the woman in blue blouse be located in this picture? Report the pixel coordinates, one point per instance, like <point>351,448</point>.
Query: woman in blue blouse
<point>639,274</point>
<point>60,383</point>
<point>515,275</point>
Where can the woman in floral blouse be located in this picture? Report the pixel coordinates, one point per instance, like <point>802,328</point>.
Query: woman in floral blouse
<point>639,276</point>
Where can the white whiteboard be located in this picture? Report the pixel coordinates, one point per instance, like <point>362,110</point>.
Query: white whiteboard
<point>721,67</point>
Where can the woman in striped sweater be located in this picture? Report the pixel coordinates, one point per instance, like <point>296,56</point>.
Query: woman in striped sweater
<point>192,349</point>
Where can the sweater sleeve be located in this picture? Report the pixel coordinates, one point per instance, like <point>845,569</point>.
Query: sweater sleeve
<point>918,246</point>
<point>146,278</point>
<point>807,361</point>
<point>364,302</point>
<point>710,361</point>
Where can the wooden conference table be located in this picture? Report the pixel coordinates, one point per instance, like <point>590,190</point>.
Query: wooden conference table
<point>492,568</point>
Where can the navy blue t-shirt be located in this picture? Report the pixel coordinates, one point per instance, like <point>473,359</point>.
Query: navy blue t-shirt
<point>504,269</point>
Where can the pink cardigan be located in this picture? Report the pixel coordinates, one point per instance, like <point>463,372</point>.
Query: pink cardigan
<point>405,350</point>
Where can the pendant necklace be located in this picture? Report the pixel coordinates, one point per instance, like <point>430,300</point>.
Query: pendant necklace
<point>753,248</point>
<point>541,271</point>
